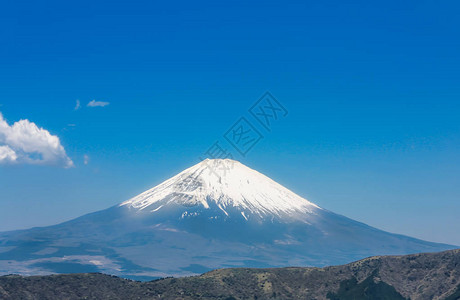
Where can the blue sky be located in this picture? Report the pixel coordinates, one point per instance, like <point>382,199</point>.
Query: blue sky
<point>372,91</point>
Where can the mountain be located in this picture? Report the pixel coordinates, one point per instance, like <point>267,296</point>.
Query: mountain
<point>216,214</point>
<point>418,277</point>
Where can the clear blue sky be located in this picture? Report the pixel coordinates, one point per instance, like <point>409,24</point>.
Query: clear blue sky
<point>372,90</point>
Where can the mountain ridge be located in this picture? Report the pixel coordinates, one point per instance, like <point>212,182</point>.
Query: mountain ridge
<point>418,277</point>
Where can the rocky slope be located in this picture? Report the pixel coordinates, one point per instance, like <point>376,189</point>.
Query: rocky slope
<point>419,276</point>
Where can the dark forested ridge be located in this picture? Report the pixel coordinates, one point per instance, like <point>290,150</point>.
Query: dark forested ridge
<point>418,276</point>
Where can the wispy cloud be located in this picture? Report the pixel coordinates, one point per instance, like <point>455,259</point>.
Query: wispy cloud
<point>86,159</point>
<point>95,103</point>
<point>77,105</point>
<point>25,143</point>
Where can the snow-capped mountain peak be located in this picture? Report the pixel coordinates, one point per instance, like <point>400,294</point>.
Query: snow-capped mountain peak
<point>227,184</point>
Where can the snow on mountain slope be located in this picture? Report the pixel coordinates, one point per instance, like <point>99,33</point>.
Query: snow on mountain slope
<point>226,183</point>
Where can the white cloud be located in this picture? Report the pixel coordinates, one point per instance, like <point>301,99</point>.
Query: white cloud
<point>95,103</point>
<point>7,155</point>
<point>85,159</point>
<point>77,105</point>
<point>24,142</point>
